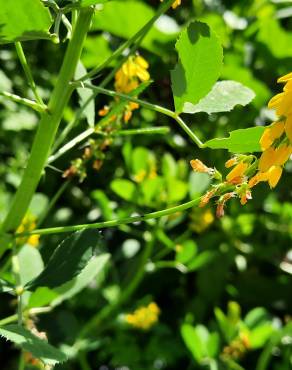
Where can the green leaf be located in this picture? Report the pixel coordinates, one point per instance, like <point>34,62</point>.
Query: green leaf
<point>5,286</point>
<point>194,342</point>
<point>255,317</point>
<point>259,336</point>
<point>239,141</point>
<point>201,260</point>
<point>198,68</point>
<point>39,348</point>
<point>176,190</point>
<point>124,188</point>
<point>22,20</point>
<point>85,3</point>
<point>186,251</point>
<point>223,97</point>
<point>94,268</point>
<point>68,260</point>
<point>84,94</point>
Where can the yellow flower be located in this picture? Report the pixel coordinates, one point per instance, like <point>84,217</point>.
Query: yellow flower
<point>201,220</point>
<point>272,133</point>
<point>236,175</point>
<point>199,166</point>
<point>274,157</point>
<point>272,176</point>
<point>132,72</point>
<point>175,4</point>
<point>28,224</point>
<point>144,317</point>
<point>288,128</point>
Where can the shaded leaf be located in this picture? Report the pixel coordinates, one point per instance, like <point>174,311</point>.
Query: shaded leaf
<point>84,95</point>
<point>223,97</point>
<point>68,260</point>
<point>37,347</point>
<point>126,189</point>
<point>239,141</point>
<point>200,61</point>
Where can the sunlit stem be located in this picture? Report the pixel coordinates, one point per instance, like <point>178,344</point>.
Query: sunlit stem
<point>113,223</point>
<point>27,72</point>
<point>145,104</point>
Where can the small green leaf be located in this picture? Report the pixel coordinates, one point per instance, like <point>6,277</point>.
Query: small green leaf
<point>84,95</point>
<point>39,348</point>
<point>193,342</point>
<point>239,141</point>
<point>19,24</point>
<point>68,260</point>
<point>186,251</point>
<point>223,97</point>
<point>201,260</point>
<point>5,286</point>
<point>198,68</point>
<point>124,188</point>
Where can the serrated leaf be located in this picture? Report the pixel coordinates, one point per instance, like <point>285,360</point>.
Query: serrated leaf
<point>19,24</point>
<point>223,97</point>
<point>84,95</point>
<point>239,141</point>
<point>68,260</point>
<point>198,68</point>
<point>94,268</point>
<point>39,348</point>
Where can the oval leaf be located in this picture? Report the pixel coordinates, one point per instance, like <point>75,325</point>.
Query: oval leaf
<point>223,97</point>
<point>68,260</point>
<point>200,61</point>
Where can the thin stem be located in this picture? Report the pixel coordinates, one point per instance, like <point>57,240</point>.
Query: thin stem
<point>113,223</point>
<point>48,126</point>
<point>27,102</point>
<point>27,72</point>
<point>32,311</point>
<point>145,104</point>
<point>84,135</point>
<point>163,8</point>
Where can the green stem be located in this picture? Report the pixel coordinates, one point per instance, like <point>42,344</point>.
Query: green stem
<point>27,72</point>
<point>109,310</point>
<point>145,104</point>
<point>113,223</point>
<point>84,135</point>
<point>163,8</point>
<point>29,103</point>
<point>48,125</point>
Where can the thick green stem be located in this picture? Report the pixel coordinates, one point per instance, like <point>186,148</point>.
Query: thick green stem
<point>113,223</point>
<point>145,104</point>
<point>48,125</point>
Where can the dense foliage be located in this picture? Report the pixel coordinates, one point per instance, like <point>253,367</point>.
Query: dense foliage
<point>140,141</point>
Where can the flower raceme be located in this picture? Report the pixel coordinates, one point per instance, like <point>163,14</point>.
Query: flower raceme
<point>144,317</point>
<point>248,171</point>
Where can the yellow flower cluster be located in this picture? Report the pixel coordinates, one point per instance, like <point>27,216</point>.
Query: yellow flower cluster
<point>144,317</point>
<point>28,224</point>
<point>128,78</point>
<point>248,171</point>
<point>175,4</point>
<point>131,73</point>
<point>276,141</point>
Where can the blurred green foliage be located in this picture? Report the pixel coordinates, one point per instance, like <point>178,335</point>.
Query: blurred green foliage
<point>223,286</point>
